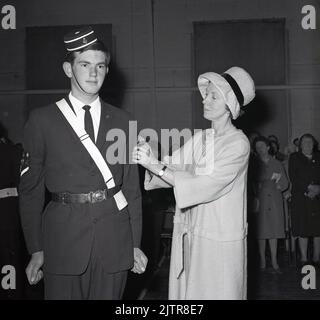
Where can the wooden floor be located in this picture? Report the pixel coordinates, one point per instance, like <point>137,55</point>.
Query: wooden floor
<point>262,285</point>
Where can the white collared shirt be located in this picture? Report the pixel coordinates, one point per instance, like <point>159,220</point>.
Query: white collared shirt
<point>95,112</point>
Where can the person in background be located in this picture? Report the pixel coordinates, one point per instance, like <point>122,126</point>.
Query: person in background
<point>273,137</point>
<point>251,185</point>
<point>252,136</point>
<point>11,238</point>
<point>304,173</point>
<point>296,143</point>
<point>275,148</point>
<point>271,181</point>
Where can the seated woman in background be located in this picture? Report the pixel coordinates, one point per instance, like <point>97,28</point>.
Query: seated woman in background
<point>304,173</point>
<point>271,180</point>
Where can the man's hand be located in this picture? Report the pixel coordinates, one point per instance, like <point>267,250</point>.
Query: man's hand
<point>140,261</point>
<point>33,271</point>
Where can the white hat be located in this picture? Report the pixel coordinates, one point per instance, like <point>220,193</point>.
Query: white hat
<point>235,85</point>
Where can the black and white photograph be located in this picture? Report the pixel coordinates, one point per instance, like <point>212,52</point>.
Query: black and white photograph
<point>159,151</point>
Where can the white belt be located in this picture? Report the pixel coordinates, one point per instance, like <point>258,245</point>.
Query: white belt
<point>8,192</point>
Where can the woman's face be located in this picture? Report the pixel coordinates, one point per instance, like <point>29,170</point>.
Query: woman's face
<point>307,145</point>
<point>262,149</point>
<point>214,105</point>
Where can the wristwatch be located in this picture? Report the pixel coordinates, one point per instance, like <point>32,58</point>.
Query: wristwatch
<point>161,172</point>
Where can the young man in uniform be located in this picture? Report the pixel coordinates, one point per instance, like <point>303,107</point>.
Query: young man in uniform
<point>89,234</point>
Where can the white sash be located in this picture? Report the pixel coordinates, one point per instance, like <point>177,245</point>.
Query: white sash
<point>93,151</point>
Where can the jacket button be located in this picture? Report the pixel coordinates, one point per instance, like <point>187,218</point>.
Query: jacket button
<point>95,220</point>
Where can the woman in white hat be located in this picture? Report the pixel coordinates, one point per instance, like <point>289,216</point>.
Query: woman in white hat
<point>209,178</point>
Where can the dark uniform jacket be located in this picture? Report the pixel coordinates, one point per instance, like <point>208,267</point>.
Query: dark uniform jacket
<point>67,232</point>
<point>9,178</point>
<point>11,244</point>
<point>9,166</point>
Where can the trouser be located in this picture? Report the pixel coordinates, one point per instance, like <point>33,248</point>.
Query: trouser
<point>93,284</point>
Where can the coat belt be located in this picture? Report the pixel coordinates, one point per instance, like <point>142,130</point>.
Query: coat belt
<point>180,250</point>
<point>186,230</point>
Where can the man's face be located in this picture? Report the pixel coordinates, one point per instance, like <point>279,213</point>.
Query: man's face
<point>89,70</point>
<point>213,104</point>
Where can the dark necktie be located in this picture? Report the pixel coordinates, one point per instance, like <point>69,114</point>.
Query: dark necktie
<point>88,123</point>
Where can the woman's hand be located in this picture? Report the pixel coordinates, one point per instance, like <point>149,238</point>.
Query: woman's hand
<point>143,155</point>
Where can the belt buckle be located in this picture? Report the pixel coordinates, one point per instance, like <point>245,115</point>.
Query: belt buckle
<point>97,196</point>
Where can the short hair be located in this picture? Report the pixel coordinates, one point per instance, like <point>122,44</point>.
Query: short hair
<point>261,139</point>
<point>274,144</point>
<point>309,135</point>
<point>296,140</point>
<point>97,46</point>
<point>273,137</point>
<point>252,135</point>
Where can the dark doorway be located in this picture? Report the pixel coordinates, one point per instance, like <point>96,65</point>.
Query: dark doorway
<point>259,47</point>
